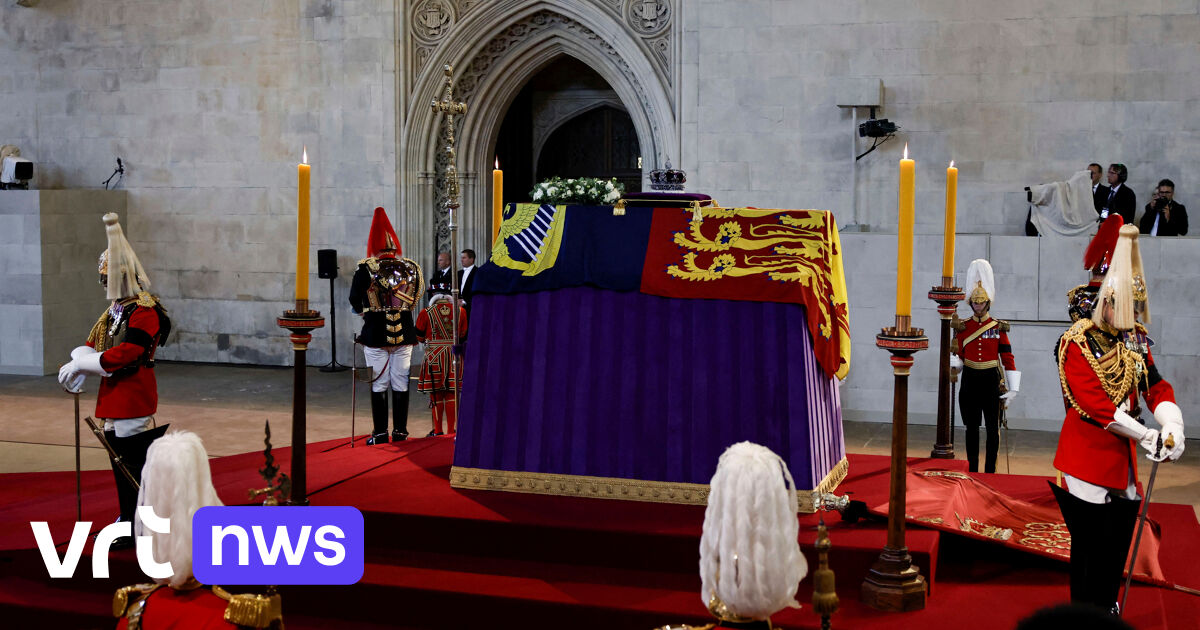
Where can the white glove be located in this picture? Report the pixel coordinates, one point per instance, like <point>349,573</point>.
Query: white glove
<point>71,375</point>
<point>1123,424</point>
<point>81,351</point>
<point>1013,378</point>
<point>1170,418</point>
<point>956,363</point>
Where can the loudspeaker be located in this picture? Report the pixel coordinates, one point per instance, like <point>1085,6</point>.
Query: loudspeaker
<point>327,266</point>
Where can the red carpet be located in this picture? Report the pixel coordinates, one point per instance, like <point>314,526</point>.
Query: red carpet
<point>444,558</point>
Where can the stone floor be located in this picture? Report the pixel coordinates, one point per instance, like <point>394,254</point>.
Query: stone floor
<point>227,405</point>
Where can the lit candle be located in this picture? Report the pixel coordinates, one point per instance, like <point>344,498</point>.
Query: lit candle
<point>905,244</point>
<point>951,209</point>
<point>497,199</point>
<point>302,173</point>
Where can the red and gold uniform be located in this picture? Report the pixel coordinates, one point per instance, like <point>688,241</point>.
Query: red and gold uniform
<point>156,607</point>
<point>439,374</point>
<point>1106,368</point>
<point>1100,371</point>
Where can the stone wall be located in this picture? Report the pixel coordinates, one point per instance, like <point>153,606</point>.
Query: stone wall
<point>1017,93</point>
<point>50,295</point>
<point>209,103</point>
<point>1032,279</point>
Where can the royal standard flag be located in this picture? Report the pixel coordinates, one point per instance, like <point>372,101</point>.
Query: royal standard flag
<point>541,248</point>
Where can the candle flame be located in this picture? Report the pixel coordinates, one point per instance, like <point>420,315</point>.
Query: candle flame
<point>951,163</point>
<point>497,162</point>
<point>305,160</point>
<point>906,150</point>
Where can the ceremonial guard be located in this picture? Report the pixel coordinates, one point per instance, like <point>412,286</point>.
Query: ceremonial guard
<point>750,560</point>
<point>1104,363</point>
<point>439,373</point>
<point>120,350</point>
<point>384,291</point>
<point>989,373</point>
<point>1096,259</point>
<point>176,483</point>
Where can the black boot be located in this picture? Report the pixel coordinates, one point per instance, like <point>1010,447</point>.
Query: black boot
<point>399,416</point>
<point>972,448</point>
<point>1082,519</point>
<point>132,451</point>
<point>1120,520</point>
<point>379,404</point>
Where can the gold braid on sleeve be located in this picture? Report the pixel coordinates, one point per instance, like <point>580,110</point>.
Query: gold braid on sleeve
<point>97,337</point>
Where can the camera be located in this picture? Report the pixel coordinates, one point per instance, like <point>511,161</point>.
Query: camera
<point>1161,203</point>
<point>877,128</point>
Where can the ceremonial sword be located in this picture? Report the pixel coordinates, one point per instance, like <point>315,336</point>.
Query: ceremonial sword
<point>1137,538</point>
<point>117,459</point>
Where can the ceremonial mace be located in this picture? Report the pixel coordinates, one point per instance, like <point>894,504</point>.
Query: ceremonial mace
<point>894,583</point>
<point>449,108</point>
<point>947,297</point>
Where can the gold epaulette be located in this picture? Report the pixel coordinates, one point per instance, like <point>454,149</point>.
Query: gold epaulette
<point>1071,292</point>
<point>146,300</point>
<point>957,324</point>
<point>251,609</point>
<point>1004,326</point>
<point>123,605</point>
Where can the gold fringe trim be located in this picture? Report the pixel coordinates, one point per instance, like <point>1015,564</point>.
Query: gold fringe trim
<point>617,487</point>
<point>251,609</point>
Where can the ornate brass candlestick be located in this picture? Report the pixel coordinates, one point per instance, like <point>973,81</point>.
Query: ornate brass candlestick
<point>947,297</point>
<point>301,322</point>
<point>894,583</point>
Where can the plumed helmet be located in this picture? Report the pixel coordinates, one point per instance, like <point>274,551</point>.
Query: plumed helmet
<point>1098,255</point>
<point>382,241</point>
<point>981,285</point>
<point>126,277</point>
<point>1124,287</point>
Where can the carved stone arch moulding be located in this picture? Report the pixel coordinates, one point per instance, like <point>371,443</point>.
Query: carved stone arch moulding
<point>492,62</point>
<point>649,21</point>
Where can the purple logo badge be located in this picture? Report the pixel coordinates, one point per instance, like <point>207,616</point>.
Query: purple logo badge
<point>254,545</point>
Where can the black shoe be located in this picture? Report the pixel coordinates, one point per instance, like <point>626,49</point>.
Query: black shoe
<point>378,438</point>
<point>122,542</point>
<point>398,435</point>
<point>432,434</point>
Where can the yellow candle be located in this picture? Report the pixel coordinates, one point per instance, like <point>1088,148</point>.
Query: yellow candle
<point>497,199</point>
<point>302,173</point>
<point>951,209</point>
<point>905,244</point>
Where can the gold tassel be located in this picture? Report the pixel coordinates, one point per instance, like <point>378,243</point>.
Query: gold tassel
<point>250,609</point>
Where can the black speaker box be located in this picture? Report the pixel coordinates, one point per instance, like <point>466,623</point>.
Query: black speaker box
<point>327,266</point>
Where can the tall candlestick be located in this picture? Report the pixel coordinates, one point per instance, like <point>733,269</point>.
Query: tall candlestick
<point>302,173</point>
<point>905,243</point>
<point>951,209</point>
<point>497,199</point>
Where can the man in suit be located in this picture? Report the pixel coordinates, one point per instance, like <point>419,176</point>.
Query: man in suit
<point>1099,191</point>
<point>439,283</point>
<point>1163,216</point>
<point>1121,198</point>
<point>466,277</point>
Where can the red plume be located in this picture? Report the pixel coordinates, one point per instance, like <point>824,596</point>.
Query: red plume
<point>382,242</point>
<point>1100,250</point>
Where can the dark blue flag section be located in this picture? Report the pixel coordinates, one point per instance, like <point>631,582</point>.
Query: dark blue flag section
<point>541,248</point>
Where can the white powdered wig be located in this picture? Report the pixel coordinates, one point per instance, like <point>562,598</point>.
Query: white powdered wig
<point>1118,289</point>
<point>176,482</point>
<point>749,553</point>
<point>126,277</point>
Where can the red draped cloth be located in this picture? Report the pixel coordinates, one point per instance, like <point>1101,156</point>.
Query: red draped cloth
<point>958,503</point>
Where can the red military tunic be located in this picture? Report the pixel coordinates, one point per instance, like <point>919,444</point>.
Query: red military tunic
<point>131,391</point>
<point>434,326</point>
<point>154,607</point>
<point>987,349</point>
<point>1086,449</point>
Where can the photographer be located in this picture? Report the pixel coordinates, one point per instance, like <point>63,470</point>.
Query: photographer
<point>1163,216</point>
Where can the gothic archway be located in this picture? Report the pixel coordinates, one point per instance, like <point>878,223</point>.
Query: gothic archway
<point>495,50</point>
